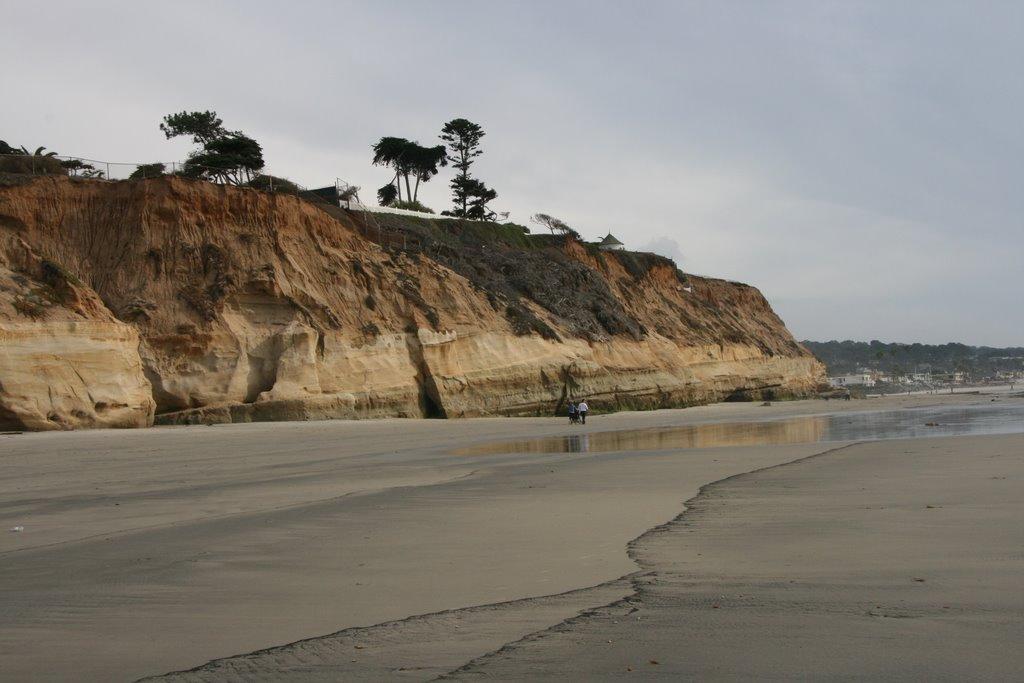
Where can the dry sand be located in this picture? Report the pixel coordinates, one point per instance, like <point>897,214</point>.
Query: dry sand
<point>152,551</point>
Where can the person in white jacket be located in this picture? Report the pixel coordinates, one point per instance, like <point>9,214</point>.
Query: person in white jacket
<point>582,408</point>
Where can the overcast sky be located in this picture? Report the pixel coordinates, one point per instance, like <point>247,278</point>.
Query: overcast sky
<point>861,163</point>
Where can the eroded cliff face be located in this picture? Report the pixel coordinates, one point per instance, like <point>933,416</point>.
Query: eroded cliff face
<point>189,301</point>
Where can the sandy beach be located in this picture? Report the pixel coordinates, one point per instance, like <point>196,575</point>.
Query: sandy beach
<point>406,550</point>
<point>885,561</point>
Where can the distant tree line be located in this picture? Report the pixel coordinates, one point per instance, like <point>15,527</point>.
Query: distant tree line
<point>844,357</point>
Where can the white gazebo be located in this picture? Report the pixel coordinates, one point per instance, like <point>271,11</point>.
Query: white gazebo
<point>610,243</point>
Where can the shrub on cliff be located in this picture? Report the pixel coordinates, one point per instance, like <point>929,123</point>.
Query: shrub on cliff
<point>20,160</point>
<point>412,206</point>
<point>639,263</point>
<point>30,305</point>
<point>349,193</point>
<point>31,164</point>
<point>148,171</point>
<point>79,168</point>
<point>270,183</point>
<point>57,276</point>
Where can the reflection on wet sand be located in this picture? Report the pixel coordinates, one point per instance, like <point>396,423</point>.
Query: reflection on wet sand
<point>804,430</point>
<point>897,424</point>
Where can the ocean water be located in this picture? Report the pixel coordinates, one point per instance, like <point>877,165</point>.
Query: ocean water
<point>909,423</point>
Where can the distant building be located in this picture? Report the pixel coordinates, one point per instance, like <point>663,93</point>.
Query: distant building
<point>958,377</point>
<point>610,243</point>
<point>858,380</point>
<point>340,193</point>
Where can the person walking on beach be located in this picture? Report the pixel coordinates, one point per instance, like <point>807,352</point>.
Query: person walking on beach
<point>582,408</point>
<point>573,414</point>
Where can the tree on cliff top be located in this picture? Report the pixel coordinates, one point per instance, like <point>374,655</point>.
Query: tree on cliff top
<point>203,126</point>
<point>462,137</point>
<point>23,151</point>
<point>393,152</point>
<point>425,164</point>
<point>407,158</point>
<point>553,224</point>
<point>387,195</point>
<point>226,156</point>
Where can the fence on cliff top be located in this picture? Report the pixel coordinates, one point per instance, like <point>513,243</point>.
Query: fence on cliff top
<point>97,169</point>
<point>117,171</point>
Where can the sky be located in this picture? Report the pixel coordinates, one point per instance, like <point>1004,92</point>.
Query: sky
<point>862,163</point>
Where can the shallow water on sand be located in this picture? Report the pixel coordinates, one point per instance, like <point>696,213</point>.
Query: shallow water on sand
<point>865,426</point>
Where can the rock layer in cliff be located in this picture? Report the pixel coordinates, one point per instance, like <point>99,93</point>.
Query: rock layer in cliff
<point>194,301</point>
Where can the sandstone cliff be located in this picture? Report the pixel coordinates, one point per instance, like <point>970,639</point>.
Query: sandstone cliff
<point>179,301</point>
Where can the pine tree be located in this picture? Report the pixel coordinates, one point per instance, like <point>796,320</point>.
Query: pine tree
<point>462,137</point>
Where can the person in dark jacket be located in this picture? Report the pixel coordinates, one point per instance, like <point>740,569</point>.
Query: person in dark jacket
<point>574,415</point>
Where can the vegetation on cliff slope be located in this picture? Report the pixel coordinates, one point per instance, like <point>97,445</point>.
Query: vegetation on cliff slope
<point>518,272</point>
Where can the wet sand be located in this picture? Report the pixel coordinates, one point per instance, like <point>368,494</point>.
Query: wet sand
<point>899,560</point>
<point>153,551</point>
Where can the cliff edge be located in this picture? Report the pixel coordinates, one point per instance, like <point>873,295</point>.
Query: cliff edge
<point>179,301</point>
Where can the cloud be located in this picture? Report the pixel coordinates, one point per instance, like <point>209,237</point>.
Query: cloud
<point>859,162</point>
<point>665,246</point>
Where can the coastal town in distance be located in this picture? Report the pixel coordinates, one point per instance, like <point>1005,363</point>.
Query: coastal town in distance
<point>876,367</point>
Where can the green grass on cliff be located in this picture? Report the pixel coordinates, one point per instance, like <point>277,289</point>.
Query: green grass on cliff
<point>453,232</point>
